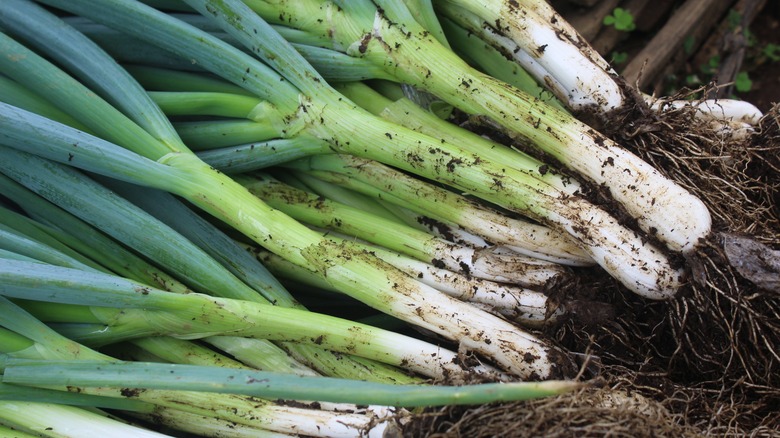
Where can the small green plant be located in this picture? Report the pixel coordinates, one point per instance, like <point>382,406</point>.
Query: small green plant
<point>619,57</point>
<point>771,51</point>
<point>621,19</point>
<point>742,82</point>
<point>689,44</point>
<point>712,65</point>
<point>734,19</point>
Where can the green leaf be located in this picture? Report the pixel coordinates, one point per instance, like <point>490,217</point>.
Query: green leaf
<point>734,19</point>
<point>269,384</point>
<point>619,57</point>
<point>688,44</point>
<point>712,65</point>
<point>772,51</point>
<point>742,82</point>
<point>622,19</point>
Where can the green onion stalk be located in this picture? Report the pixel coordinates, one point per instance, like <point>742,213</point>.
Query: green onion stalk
<point>87,240</point>
<point>443,206</point>
<point>528,307</point>
<point>537,242</point>
<point>166,164</point>
<point>546,46</point>
<point>484,56</point>
<point>336,193</point>
<point>271,385</point>
<point>11,341</point>
<point>172,350</point>
<point>264,415</point>
<point>322,212</point>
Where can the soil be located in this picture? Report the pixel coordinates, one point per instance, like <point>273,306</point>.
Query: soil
<point>706,363</point>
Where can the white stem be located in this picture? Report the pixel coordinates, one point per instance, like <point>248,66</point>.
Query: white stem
<point>650,275</point>
<point>61,421</point>
<point>729,110</point>
<point>513,269</point>
<point>572,70</point>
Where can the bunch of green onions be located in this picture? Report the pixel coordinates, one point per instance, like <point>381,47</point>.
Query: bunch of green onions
<point>152,209</point>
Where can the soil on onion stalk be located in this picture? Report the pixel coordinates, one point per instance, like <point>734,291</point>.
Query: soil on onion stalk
<point>704,363</point>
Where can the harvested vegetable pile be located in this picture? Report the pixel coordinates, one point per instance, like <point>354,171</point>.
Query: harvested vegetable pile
<point>227,218</point>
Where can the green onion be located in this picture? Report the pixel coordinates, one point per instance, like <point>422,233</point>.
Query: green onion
<point>383,182</point>
<point>144,311</point>
<point>386,38</point>
<point>268,385</point>
<point>546,45</point>
<point>640,266</point>
<point>180,172</point>
<point>44,343</point>
<point>321,212</point>
<point>130,225</point>
<point>527,307</point>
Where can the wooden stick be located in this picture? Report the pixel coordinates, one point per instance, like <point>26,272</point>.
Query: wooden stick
<point>692,17</point>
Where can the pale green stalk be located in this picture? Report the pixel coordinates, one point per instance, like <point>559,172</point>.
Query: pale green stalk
<point>214,134</point>
<point>263,355</point>
<point>41,395</point>
<point>224,250</point>
<point>13,432</point>
<point>206,426</point>
<point>45,343</point>
<point>164,79</point>
<point>193,103</point>
<point>494,62</point>
<point>380,181</point>
<point>270,385</point>
<point>337,193</point>
<point>322,212</point>
<point>446,230</point>
<point>23,226</point>
<point>259,155</point>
